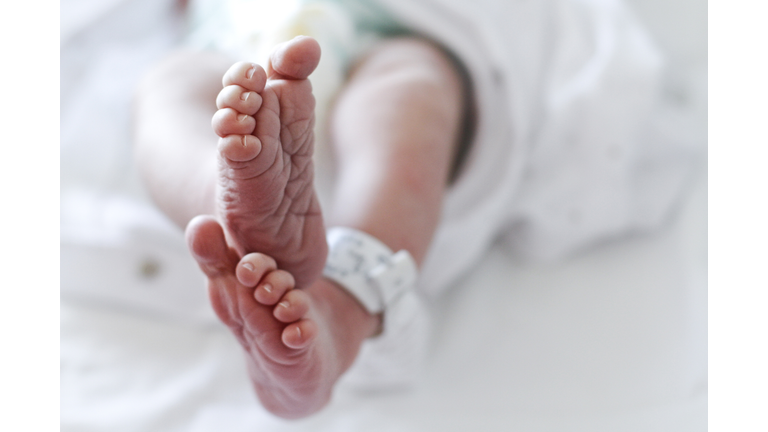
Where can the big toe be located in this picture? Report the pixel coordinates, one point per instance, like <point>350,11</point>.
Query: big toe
<point>208,246</point>
<point>295,59</point>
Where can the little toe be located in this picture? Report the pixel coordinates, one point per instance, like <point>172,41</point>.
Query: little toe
<point>273,287</point>
<point>299,334</point>
<point>245,74</point>
<point>292,307</point>
<point>252,268</point>
<point>239,99</point>
<point>227,121</point>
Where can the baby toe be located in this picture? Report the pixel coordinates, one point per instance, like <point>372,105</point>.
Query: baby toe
<point>245,74</point>
<point>273,287</point>
<point>292,307</point>
<point>252,268</point>
<point>227,121</point>
<point>299,334</point>
<point>239,148</point>
<point>239,99</point>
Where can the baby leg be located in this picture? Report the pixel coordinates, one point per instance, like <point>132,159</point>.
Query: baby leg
<point>395,130</point>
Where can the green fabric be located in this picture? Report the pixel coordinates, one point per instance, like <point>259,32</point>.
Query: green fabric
<point>369,17</point>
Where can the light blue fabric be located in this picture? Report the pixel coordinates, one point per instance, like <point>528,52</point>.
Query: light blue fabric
<point>369,16</point>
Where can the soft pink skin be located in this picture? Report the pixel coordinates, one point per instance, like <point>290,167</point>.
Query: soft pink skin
<point>265,193</point>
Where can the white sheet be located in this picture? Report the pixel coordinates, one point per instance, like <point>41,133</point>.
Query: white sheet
<point>613,339</point>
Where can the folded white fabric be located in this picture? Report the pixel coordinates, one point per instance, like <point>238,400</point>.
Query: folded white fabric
<point>570,145</point>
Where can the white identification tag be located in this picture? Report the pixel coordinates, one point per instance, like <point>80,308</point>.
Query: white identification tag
<point>367,268</point>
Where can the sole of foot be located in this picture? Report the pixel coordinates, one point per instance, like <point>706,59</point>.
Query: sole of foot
<point>265,198</point>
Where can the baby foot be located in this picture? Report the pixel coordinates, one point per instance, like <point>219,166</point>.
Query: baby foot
<point>292,365</point>
<point>266,198</point>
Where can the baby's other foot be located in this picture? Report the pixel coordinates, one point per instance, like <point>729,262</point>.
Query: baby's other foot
<point>292,371</point>
<point>266,198</point>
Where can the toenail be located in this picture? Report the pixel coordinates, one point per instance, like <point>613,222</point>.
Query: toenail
<point>249,266</point>
<point>298,331</point>
<point>250,72</point>
<point>242,117</point>
<point>267,288</point>
<point>244,96</point>
<point>284,304</point>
